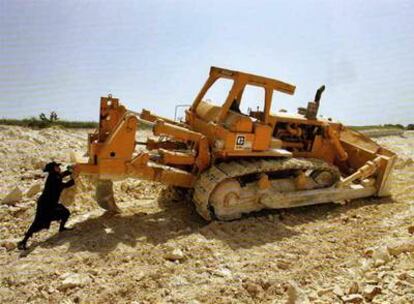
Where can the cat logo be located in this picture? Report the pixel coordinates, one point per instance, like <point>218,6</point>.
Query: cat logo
<point>242,143</point>
<point>240,140</point>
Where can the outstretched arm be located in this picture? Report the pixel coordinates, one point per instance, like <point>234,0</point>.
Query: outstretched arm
<point>65,173</point>
<point>68,184</point>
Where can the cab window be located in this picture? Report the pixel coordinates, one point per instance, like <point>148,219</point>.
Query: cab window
<point>219,91</point>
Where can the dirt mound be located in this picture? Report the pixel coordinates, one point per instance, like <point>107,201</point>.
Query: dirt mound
<point>159,250</point>
<point>382,132</point>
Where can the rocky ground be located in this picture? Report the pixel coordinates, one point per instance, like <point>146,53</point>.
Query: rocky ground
<point>160,251</point>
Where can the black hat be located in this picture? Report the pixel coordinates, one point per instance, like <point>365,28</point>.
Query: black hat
<point>50,166</point>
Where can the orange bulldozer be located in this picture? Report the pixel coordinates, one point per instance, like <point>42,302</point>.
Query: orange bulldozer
<point>234,162</point>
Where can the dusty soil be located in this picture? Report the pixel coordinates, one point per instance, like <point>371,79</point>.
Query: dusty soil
<point>160,251</point>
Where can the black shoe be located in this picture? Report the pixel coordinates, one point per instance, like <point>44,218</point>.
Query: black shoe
<point>21,245</point>
<point>65,229</point>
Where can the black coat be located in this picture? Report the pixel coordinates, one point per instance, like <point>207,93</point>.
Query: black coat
<point>48,202</point>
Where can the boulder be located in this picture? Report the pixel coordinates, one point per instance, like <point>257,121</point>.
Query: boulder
<point>223,272</point>
<point>338,291</point>
<point>295,294</point>
<point>324,291</point>
<point>370,292</point>
<point>354,288</point>
<point>71,280</point>
<point>399,246</point>
<point>177,281</point>
<point>254,289</point>
<point>9,244</point>
<point>353,298</point>
<point>38,163</point>
<point>379,262</point>
<point>174,255</point>
<point>369,252</point>
<point>34,189</point>
<point>380,256</point>
<point>13,197</point>
<point>283,264</point>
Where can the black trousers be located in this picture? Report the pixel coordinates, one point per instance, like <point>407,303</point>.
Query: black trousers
<point>45,217</point>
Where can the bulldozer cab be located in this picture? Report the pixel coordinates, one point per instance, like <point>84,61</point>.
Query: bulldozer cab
<point>232,106</point>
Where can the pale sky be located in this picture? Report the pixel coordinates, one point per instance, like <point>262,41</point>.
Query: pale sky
<point>64,55</point>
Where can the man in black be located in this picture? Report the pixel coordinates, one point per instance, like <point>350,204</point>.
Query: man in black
<point>48,207</point>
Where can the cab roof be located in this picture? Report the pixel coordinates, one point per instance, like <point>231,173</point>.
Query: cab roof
<point>254,80</point>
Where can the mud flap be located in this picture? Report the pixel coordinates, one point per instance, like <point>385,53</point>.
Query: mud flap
<point>105,195</point>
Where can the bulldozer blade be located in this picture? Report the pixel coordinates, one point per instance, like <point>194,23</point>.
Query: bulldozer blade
<point>105,195</point>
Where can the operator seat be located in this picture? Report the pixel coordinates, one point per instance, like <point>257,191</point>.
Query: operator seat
<point>235,122</point>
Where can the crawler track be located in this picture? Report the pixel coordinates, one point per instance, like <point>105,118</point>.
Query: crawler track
<point>209,180</point>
